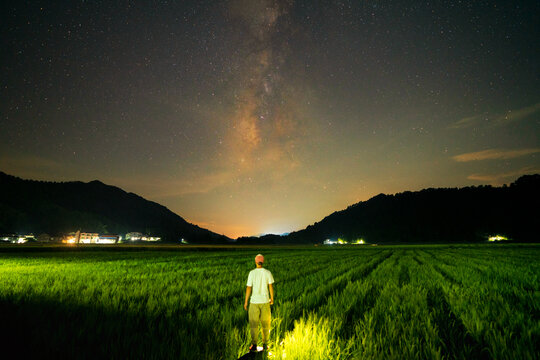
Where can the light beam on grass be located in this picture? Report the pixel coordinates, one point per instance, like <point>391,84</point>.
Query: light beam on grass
<point>310,339</point>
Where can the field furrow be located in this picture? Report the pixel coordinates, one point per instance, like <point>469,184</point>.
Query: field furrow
<point>313,298</point>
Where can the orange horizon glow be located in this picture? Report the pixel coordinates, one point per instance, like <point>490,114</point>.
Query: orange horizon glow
<point>231,231</point>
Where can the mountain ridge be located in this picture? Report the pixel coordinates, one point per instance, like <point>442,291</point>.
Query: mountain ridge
<point>433,215</point>
<point>61,207</point>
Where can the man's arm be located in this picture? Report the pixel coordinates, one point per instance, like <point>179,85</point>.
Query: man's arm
<point>248,292</point>
<point>271,288</point>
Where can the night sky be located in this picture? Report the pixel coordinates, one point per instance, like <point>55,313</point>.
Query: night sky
<point>248,117</point>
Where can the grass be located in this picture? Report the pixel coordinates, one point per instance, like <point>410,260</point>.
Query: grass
<point>413,302</point>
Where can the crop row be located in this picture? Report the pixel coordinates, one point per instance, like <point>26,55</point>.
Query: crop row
<point>407,309</point>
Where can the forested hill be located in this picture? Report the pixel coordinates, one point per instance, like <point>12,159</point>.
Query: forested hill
<point>437,215</point>
<point>428,216</point>
<point>468,214</point>
<point>28,206</point>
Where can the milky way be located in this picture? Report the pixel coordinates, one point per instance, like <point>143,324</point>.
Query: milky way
<point>252,116</point>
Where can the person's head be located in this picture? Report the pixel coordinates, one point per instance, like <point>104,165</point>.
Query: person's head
<point>259,260</point>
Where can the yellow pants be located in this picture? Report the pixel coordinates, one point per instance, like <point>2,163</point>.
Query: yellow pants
<point>259,312</point>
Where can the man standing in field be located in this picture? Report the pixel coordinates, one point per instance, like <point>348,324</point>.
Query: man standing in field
<point>258,284</point>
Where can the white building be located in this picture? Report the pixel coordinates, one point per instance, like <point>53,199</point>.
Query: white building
<point>88,238</point>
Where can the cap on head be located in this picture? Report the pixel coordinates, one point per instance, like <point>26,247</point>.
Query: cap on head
<point>259,258</point>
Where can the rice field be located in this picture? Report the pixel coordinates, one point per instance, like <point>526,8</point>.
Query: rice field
<point>384,302</point>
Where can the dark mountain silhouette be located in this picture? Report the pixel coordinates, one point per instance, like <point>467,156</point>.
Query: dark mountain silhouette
<point>428,216</point>
<point>468,214</point>
<point>28,206</point>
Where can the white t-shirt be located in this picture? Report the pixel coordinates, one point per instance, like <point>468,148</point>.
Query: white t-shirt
<point>259,279</point>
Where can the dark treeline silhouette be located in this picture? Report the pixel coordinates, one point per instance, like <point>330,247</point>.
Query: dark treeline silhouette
<point>28,206</point>
<point>469,214</point>
<point>428,216</point>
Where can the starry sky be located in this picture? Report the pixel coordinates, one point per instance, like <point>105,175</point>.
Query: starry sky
<point>263,116</point>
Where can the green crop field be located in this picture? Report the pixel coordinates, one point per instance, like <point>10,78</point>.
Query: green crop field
<point>409,302</point>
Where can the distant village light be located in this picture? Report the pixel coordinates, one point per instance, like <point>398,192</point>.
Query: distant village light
<point>497,238</point>
<point>90,238</point>
<point>137,236</point>
<point>134,236</point>
<point>340,241</point>
<point>77,238</point>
